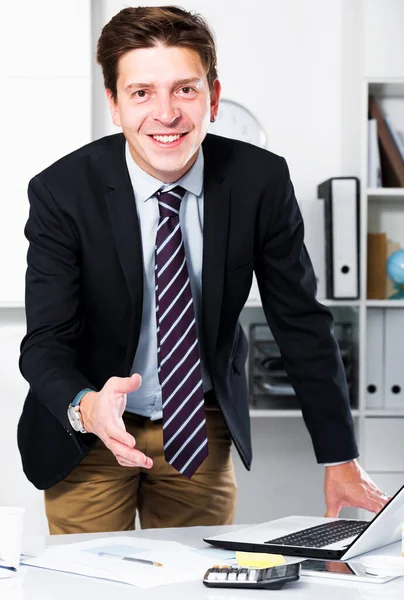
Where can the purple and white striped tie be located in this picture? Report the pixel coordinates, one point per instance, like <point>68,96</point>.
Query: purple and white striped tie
<point>179,369</point>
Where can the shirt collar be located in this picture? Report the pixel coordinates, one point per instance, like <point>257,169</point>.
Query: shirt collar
<point>145,186</point>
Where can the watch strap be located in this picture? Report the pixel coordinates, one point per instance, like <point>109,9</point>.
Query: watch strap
<point>78,398</point>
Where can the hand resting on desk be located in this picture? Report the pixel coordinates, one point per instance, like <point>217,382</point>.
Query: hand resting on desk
<point>349,485</point>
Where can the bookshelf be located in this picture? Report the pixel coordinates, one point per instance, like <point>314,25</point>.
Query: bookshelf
<point>382,193</point>
<point>378,426</point>
<point>381,420</point>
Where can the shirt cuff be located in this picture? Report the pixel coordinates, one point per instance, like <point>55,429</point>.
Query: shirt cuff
<point>335,464</point>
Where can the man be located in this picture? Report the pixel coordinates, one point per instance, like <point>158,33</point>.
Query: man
<point>142,249</point>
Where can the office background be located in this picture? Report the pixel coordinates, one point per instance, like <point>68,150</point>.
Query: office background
<point>298,66</point>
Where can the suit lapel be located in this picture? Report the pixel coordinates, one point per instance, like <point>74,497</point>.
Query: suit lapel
<point>125,225</point>
<point>215,234</point>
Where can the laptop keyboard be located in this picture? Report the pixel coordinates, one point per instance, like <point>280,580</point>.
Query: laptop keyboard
<point>322,535</point>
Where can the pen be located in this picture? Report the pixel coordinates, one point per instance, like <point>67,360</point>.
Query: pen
<point>132,559</point>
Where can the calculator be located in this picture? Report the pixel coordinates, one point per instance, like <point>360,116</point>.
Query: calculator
<point>273,578</point>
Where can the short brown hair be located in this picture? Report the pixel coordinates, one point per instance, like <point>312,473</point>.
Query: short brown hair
<point>144,27</point>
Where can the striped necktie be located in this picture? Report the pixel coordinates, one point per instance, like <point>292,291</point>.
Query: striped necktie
<point>179,369</point>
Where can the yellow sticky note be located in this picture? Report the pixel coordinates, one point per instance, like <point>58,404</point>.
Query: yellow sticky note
<point>260,560</point>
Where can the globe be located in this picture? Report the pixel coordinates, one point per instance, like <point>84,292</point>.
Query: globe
<point>395,270</point>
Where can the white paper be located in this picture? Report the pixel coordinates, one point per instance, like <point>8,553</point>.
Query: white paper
<point>180,562</point>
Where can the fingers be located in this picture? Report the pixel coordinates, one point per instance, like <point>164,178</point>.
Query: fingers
<point>124,385</point>
<point>376,501</point>
<point>129,457</point>
<point>333,511</point>
<point>123,462</point>
<point>369,499</point>
<point>122,445</point>
<point>119,434</point>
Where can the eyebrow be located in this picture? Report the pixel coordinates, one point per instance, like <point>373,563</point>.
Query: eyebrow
<point>178,82</point>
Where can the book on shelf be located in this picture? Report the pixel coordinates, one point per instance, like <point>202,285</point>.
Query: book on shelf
<point>376,271</point>
<point>392,163</point>
<point>399,142</point>
<point>374,167</point>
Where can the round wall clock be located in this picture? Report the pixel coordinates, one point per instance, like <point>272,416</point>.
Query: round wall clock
<point>237,122</point>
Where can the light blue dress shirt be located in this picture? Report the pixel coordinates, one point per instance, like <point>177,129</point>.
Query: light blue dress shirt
<point>146,400</point>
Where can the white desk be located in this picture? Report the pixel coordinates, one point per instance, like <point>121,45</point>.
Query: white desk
<point>41,584</point>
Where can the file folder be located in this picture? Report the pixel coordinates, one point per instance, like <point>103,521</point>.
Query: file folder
<point>394,371</point>
<point>341,216</point>
<point>375,358</point>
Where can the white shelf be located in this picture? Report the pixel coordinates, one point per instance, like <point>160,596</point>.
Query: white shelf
<point>277,413</point>
<point>274,413</point>
<point>389,193</point>
<point>384,412</point>
<point>328,302</point>
<point>385,303</point>
<point>325,301</point>
<point>12,304</point>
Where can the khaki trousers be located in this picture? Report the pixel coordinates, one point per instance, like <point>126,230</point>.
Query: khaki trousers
<point>101,495</point>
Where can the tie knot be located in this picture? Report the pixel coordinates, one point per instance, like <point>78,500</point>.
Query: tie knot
<point>169,202</point>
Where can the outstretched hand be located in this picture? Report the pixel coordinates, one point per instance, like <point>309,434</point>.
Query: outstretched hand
<point>349,485</point>
<point>102,415</point>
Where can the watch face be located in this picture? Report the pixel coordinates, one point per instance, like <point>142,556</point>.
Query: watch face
<point>74,418</point>
<point>237,122</point>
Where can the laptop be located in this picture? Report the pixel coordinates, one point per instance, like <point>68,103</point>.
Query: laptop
<point>319,537</point>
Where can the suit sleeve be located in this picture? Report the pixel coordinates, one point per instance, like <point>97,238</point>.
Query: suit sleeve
<point>302,327</point>
<point>48,359</point>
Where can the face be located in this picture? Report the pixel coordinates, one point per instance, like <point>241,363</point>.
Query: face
<point>164,106</point>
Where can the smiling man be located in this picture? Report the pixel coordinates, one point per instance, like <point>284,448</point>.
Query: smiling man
<point>142,247</point>
<point>163,102</point>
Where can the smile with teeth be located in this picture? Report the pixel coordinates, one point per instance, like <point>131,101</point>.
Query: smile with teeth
<point>167,139</point>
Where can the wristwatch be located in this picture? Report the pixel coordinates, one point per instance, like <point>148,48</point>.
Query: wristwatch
<point>74,414</point>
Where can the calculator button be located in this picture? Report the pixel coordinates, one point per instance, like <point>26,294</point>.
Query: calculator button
<point>213,573</point>
<point>222,575</point>
<point>252,575</point>
<point>242,575</point>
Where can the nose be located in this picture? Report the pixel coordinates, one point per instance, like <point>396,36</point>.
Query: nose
<point>166,112</point>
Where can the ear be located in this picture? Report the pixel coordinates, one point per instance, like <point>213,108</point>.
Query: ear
<point>114,109</point>
<point>214,98</point>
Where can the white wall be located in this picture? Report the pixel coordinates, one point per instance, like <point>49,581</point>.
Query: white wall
<point>297,65</point>
<point>45,108</point>
<point>383,25</point>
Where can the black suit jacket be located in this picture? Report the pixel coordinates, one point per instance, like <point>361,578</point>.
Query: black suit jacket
<point>84,293</point>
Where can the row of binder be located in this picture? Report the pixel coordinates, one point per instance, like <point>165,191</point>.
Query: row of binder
<point>332,237</point>
<point>384,364</point>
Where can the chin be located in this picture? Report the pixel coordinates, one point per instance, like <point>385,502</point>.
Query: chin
<point>169,167</point>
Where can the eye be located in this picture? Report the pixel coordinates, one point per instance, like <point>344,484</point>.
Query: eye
<point>187,91</point>
<point>140,93</point>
